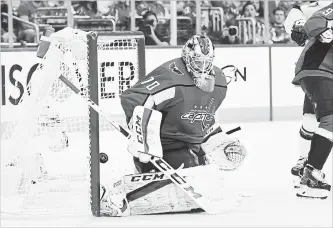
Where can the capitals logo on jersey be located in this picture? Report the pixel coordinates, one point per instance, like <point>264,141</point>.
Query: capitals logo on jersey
<point>173,67</point>
<point>203,114</point>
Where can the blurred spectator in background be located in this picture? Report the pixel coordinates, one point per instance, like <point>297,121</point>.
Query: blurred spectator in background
<point>230,35</point>
<point>120,10</point>
<point>284,4</point>
<point>259,6</point>
<point>148,27</point>
<point>159,32</point>
<point>106,7</point>
<point>158,8</point>
<point>230,9</point>
<point>155,6</point>
<point>278,34</point>
<point>122,14</point>
<point>24,33</point>
<point>189,11</point>
<point>55,3</point>
<point>86,8</point>
<point>180,7</point>
<point>56,13</point>
<point>249,11</point>
<point>28,9</point>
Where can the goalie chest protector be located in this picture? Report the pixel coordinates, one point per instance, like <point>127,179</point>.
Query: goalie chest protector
<point>187,110</point>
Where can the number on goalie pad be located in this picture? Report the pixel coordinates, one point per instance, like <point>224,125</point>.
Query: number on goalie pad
<point>145,138</point>
<point>225,151</point>
<point>151,193</point>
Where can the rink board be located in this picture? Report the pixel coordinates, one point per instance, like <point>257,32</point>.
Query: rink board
<point>262,90</point>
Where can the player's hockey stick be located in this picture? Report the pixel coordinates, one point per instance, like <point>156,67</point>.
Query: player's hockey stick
<point>233,130</point>
<point>211,207</point>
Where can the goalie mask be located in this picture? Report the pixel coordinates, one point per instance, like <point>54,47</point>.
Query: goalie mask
<point>198,55</point>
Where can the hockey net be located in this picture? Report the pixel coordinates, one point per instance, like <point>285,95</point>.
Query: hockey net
<point>50,152</point>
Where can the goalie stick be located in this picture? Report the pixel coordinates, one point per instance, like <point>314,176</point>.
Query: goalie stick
<point>211,207</point>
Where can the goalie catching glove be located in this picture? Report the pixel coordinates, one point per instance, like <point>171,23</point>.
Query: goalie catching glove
<point>145,138</point>
<point>223,150</point>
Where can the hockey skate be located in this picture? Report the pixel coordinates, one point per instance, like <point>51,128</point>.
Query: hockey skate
<point>297,171</point>
<point>313,184</point>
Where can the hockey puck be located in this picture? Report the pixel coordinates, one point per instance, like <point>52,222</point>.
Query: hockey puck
<point>103,157</point>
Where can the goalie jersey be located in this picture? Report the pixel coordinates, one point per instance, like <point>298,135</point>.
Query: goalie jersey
<point>187,111</point>
<point>316,58</point>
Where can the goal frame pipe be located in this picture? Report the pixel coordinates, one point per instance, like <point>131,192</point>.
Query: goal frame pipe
<point>94,124</point>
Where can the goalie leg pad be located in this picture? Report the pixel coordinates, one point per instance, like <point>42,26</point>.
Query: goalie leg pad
<point>151,193</point>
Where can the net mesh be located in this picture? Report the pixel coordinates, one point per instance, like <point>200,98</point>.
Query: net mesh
<point>46,161</point>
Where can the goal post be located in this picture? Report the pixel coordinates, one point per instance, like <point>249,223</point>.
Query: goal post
<point>94,126</point>
<point>50,150</point>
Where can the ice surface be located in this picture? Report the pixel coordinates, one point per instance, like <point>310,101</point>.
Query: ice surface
<point>265,177</point>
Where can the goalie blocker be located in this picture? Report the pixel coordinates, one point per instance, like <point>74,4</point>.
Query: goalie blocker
<point>138,193</point>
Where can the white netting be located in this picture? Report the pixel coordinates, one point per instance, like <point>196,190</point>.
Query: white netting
<point>45,153</point>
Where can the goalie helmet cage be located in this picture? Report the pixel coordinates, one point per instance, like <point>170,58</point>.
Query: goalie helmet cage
<point>50,149</point>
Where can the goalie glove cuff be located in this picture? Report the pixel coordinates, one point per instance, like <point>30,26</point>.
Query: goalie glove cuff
<point>213,130</point>
<point>145,136</point>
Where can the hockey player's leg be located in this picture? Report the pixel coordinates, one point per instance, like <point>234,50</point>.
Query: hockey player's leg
<point>313,183</point>
<point>309,125</point>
